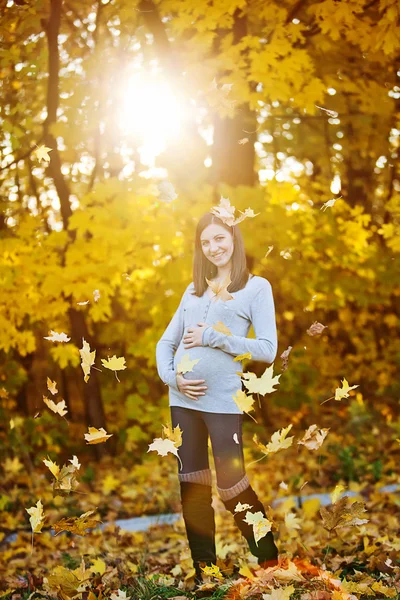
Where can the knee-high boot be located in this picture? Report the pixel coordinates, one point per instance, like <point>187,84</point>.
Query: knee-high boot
<point>199,518</point>
<point>266,550</point>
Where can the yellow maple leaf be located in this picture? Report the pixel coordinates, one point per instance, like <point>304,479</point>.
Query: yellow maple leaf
<point>221,328</point>
<point>245,571</point>
<point>163,446</point>
<point>313,438</point>
<point>278,441</point>
<point>174,435</point>
<point>54,468</point>
<point>261,385</point>
<point>239,507</point>
<point>114,364</point>
<point>42,153</point>
<point>339,488</point>
<point>77,525</point>
<point>292,521</point>
<point>59,408</point>
<point>242,356</point>
<point>98,566</point>
<point>244,402</point>
<point>212,571</point>
<point>342,392</point>
<point>220,289</point>
<point>97,436</point>
<point>261,525</point>
<point>52,386</point>
<point>37,517</point>
<point>88,358</point>
<point>185,364</point>
<point>13,465</point>
<point>57,337</point>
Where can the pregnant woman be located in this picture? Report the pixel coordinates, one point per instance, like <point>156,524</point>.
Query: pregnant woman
<point>201,401</point>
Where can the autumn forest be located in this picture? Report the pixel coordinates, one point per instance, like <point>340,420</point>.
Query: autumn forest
<point>122,123</point>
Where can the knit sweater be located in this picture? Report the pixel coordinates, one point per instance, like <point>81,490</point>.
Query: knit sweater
<point>252,305</point>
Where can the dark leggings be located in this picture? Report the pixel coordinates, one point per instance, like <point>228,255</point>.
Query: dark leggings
<point>196,426</point>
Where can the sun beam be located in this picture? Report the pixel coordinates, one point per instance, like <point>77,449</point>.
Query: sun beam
<point>151,113</point>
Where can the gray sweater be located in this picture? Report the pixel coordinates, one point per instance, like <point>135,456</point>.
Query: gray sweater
<point>254,304</point>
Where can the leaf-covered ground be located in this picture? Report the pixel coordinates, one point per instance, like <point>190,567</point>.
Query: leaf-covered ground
<point>356,561</point>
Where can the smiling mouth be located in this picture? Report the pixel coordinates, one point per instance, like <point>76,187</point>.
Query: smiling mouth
<point>218,255</point>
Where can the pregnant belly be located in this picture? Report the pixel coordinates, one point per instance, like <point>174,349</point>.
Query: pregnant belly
<point>215,366</point>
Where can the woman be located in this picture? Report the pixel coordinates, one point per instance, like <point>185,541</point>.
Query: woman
<point>201,401</point>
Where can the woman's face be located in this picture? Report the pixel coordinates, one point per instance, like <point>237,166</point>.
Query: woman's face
<point>217,244</point>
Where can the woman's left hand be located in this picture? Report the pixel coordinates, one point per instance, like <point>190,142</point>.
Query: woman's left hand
<point>194,335</point>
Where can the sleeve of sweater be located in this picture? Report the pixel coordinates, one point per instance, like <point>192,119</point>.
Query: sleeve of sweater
<point>265,346</point>
<point>167,345</point>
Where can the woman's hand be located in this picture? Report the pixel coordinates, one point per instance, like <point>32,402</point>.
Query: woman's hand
<point>191,388</point>
<point>194,336</point>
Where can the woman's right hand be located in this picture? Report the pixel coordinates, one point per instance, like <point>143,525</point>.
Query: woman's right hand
<point>192,388</point>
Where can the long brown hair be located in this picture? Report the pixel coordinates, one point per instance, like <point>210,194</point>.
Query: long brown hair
<point>203,268</point>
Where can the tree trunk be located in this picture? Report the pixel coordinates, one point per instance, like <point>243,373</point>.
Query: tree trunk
<point>94,409</point>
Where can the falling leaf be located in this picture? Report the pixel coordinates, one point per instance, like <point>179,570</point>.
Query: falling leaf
<point>57,337</point>
<point>97,436</point>
<point>329,203</point>
<point>77,525</point>
<point>37,517</point>
<point>163,446</point>
<point>75,462</point>
<point>244,402</point>
<point>341,514</point>
<point>220,289</point>
<point>239,507</point>
<point>235,438</point>
<point>330,113</point>
<point>186,365</point>
<point>242,356</point>
<point>313,438</point>
<point>96,295</point>
<point>59,408</point>
<point>114,364</point>
<point>83,303</point>
<point>278,441</point>
<point>174,435</point>
<point>261,385</point>
<point>52,386</point>
<point>221,328</point>
<point>88,358</point>
<point>261,525</point>
<point>316,329</point>
<point>243,140</point>
<point>339,488</point>
<point>65,478</point>
<point>342,392</point>
<point>42,153</point>
<point>270,248</point>
<point>54,468</point>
